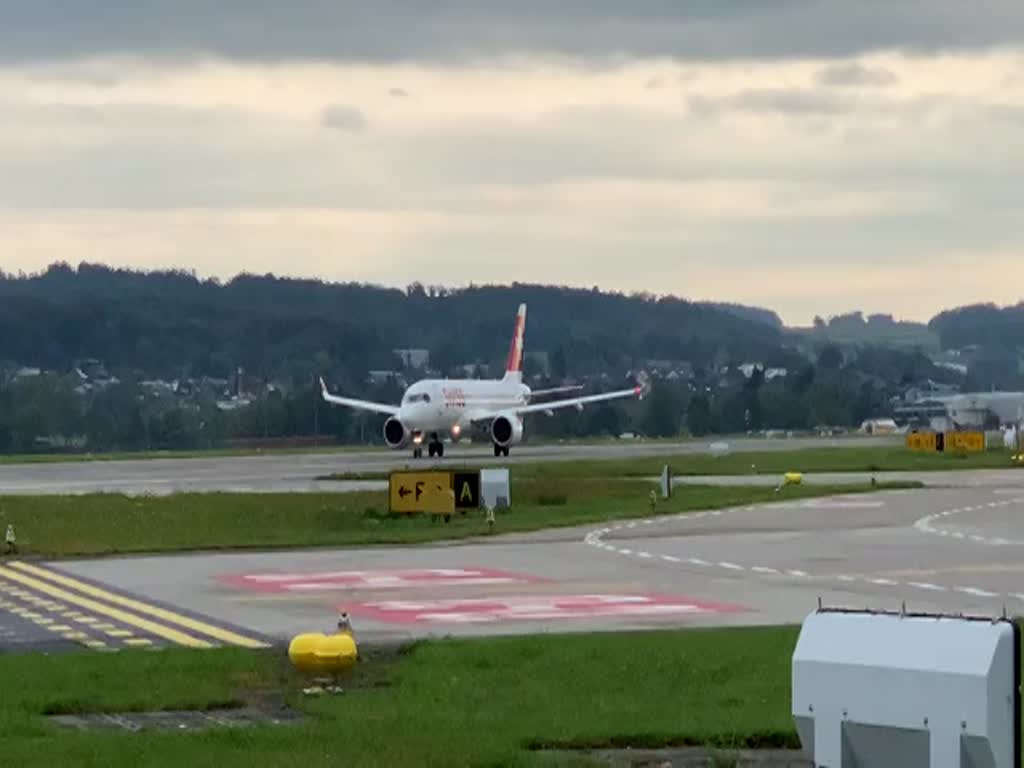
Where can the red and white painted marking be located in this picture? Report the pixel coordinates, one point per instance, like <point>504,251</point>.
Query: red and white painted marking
<point>532,608</point>
<point>374,579</point>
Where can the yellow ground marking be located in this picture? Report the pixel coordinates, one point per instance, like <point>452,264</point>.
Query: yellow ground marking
<point>59,628</point>
<point>118,633</point>
<point>87,620</point>
<point>219,633</point>
<point>43,621</point>
<point>95,644</point>
<point>124,617</point>
<point>75,636</point>
<point>138,641</point>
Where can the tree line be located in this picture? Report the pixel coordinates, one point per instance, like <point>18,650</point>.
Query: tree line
<point>283,333</point>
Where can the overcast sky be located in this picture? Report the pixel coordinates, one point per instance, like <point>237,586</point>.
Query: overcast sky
<point>811,157</point>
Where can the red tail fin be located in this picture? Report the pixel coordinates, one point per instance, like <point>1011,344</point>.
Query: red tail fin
<point>515,351</point>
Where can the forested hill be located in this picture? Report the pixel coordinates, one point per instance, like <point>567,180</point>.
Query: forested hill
<point>173,324</point>
<point>983,325</point>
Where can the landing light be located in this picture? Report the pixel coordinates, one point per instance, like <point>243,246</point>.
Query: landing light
<point>456,430</point>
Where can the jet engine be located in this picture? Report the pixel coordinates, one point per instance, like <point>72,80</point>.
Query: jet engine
<point>395,434</point>
<point>506,430</point>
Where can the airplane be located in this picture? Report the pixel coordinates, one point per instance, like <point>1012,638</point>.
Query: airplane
<point>431,408</point>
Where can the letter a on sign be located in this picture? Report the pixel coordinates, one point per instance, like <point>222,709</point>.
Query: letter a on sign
<point>467,489</point>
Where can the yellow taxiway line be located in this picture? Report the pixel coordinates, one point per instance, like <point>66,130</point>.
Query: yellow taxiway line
<point>218,633</point>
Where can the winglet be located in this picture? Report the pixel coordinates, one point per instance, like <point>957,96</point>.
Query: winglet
<point>323,387</point>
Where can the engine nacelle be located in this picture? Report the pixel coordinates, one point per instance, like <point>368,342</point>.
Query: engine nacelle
<point>395,433</point>
<point>506,430</point>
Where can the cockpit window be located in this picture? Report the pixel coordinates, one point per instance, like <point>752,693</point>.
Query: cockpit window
<point>420,398</point>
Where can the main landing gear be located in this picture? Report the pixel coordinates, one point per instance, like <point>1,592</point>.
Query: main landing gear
<point>500,449</point>
<point>434,448</point>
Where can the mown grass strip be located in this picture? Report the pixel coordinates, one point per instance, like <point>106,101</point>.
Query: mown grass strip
<point>445,703</point>
<point>103,524</point>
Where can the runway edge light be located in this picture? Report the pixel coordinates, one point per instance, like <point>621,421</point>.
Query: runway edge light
<point>914,690</point>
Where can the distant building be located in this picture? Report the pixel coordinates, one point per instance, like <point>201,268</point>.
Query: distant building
<point>414,358</point>
<point>879,427</point>
<point>970,410</point>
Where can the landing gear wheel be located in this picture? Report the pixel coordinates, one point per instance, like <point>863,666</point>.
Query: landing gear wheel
<point>417,453</point>
<point>440,450</point>
<point>499,450</point>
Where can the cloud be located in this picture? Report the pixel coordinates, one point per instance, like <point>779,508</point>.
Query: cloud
<point>855,73</point>
<point>457,30</point>
<point>344,118</point>
<point>553,169</point>
<point>796,100</point>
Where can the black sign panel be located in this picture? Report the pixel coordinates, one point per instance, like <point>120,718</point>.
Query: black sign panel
<point>467,489</point>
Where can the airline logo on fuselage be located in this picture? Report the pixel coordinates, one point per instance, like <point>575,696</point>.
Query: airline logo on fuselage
<point>454,397</point>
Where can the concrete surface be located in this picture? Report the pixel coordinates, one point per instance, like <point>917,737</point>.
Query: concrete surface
<point>942,550</point>
<point>298,472</point>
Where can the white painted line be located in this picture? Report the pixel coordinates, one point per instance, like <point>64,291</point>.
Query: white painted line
<point>763,569</point>
<point>644,555</point>
<point>698,561</point>
<point>883,582</point>
<point>847,579</point>
<point>926,585</point>
<point>670,559</point>
<point>731,566</point>
<point>975,591</point>
<point>799,574</point>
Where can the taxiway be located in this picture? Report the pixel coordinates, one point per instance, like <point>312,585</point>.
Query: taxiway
<point>948,549</point>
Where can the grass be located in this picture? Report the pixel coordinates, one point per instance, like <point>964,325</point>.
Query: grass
<point>110,524</point>
<point>847,459</point>
<point>850,459</point>
<point>441,703</point>
<point>205,453</point>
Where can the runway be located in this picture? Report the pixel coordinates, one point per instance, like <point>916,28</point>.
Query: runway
<point>297,473</point>
<point>955,549</point>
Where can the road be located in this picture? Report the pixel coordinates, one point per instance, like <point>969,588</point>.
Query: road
<point>298,472</point>
<point>954,549</point>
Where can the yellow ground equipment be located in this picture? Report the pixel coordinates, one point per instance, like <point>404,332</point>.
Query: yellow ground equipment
<point>319,655</point>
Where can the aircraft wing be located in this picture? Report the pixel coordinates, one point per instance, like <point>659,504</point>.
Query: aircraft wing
<point>555,390</point>
<point>572,402</point>
<point>364,405</point>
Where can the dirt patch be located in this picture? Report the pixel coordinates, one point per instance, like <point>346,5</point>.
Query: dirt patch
<point>185,720</point>
<point>698,757</point>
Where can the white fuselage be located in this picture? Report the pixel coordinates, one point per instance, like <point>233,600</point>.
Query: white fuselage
<point>449,405</point>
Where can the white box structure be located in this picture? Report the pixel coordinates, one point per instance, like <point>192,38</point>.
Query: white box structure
<point>907,691</point>
<point>666,482</point>
<point>495,490</point>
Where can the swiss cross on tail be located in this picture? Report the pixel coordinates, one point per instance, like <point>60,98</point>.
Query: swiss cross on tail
<point>514,366</point>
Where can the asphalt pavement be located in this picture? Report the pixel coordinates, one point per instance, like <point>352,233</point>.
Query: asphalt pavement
<point>944,549</point>
<point>298,472</point>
